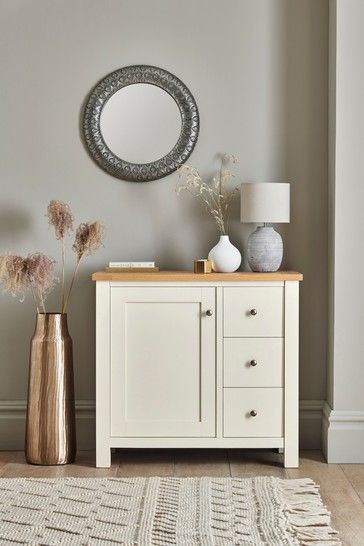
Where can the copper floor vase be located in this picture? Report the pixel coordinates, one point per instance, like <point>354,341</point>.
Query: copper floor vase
<point>50,428</point>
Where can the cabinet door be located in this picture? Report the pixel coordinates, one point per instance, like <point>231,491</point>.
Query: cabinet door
<point>162,361</point>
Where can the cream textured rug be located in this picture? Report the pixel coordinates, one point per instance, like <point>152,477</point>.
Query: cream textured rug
<point>163,511</point>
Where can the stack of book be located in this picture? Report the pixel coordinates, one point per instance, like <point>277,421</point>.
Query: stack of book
<point>128,267</point>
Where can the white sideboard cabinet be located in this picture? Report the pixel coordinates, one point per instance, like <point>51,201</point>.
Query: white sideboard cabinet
<point>188,360</point>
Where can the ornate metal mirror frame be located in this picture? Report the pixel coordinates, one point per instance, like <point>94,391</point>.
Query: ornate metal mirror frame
<point>117,166</point>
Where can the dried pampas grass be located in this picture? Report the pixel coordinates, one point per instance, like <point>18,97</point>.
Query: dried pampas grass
<point>37,270</point>
<point>40,272</point>
<point>60,217</point>
<point>89,238</point>
<point>13,275</point>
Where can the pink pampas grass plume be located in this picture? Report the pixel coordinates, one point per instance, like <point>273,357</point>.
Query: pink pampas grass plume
<point>60,217</point>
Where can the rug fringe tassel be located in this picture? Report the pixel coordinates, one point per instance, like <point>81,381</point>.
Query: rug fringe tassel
<point>306,517</point>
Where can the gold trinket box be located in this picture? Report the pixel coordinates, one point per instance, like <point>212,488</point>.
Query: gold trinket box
<point>203,266</point>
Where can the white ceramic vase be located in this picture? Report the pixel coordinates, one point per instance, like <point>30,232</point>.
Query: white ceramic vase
<point>225,257</point>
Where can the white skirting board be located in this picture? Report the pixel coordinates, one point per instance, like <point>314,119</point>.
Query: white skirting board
<point>343,435</point>
<point>12,424</point>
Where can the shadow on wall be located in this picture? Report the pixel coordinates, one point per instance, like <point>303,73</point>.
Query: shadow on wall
<point>14,223</point>
<point>81,323</point>
<point>17,322</point>
<point>16,318</point>
<point>306,83</point>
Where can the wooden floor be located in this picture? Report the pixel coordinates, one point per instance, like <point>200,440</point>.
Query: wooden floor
<point>342,486</point>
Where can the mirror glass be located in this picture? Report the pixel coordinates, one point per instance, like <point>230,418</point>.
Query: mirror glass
<point>140,123</point>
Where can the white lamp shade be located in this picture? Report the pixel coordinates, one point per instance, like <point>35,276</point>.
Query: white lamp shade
<point>265,202</point>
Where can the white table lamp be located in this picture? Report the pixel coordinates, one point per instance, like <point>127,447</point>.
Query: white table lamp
<point>265,203</point>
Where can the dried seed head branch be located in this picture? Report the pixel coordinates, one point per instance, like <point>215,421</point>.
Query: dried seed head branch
<point>215,198</point>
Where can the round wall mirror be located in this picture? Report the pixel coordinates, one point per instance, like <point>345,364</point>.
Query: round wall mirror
<point>140,123</point>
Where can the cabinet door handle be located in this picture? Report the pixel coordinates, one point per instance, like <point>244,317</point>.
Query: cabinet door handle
<point>253,413</point>
<point>253,312</point>
<point>209,312</point>
<point>253,362</point>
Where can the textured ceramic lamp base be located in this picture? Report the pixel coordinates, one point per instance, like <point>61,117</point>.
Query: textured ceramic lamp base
<point>265,250</point>
<point>50,428</point>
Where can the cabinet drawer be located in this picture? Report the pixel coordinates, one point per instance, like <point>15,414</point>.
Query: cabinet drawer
<point>253,362</point>
<point>268,405</point>
<point>253,312</point>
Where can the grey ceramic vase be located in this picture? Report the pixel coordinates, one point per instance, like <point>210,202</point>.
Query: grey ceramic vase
<point>265,250</point>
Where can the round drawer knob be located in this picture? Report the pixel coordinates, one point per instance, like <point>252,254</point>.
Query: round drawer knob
<point>209,312</point>
<point>253,413</point>
<point>253,312</point>
<point>253,362</point>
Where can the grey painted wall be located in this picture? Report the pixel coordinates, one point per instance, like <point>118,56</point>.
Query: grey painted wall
<point>346,209</point>
<point>258,70</point>
<point>343,425</point>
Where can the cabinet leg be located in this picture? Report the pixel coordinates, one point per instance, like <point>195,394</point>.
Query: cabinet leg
<point>291,457</point>
<point>103,457</point>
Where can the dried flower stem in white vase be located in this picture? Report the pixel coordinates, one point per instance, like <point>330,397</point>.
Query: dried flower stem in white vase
<point>214,196</point>
<point>217,200</point>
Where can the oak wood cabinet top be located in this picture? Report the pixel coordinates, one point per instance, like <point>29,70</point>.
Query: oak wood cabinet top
<point>185,276</point>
